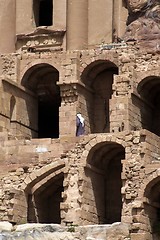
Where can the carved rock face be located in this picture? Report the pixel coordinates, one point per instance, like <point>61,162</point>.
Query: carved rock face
<point>136,5</point>
<point>154,14</point>
<point>144,23</point>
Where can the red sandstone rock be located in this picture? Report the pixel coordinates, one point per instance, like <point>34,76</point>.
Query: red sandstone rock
<point>144,23</point>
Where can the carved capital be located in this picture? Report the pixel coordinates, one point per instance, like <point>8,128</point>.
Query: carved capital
<point>69,93</point>
<point>40,40</point>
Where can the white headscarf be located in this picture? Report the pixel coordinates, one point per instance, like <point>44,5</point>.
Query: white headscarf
<point>81,119</point>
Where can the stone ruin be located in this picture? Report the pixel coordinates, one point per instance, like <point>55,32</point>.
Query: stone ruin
<point>101,59</point>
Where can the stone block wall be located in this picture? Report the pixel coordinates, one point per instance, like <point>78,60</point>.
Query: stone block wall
<point>33,163</point>
<point>93,182</point>
<point>132,111</point>
<point>77,166</point>
<point>47,76</point>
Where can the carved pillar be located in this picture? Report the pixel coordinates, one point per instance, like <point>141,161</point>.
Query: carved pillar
<point>68,110</point>
<point>77,24</point>
<point>25,16</point>
<point>59,14</point>
<point>120,15</point>
<point>7,25</point>
<point>75,98</point>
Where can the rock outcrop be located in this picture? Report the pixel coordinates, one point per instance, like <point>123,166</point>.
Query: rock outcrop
<point>143,25</point>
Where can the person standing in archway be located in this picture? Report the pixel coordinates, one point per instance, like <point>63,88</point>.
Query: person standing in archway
<point>80,125</point>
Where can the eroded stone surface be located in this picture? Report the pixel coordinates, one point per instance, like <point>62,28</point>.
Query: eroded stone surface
<point>56,232</point>
<point>110,175</point>
<point>144,23</point>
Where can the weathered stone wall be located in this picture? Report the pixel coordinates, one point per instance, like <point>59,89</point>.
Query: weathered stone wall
<point>32,163</point>
<point>110,175</point>
<point>131,111</point>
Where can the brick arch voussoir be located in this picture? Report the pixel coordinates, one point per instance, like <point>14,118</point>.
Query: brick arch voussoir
<point>38,62</point>
<point>98,140</point>
<point>153,178</point>
<point>41,184</point>
<point>142,75</point>
<point>103,56</point>
<point>39,175</point>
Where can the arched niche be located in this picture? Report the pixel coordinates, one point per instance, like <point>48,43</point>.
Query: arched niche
<point>102,183</point>
<point>98,79</point>
<point>42,105</point>
<point>149,90</point>
<point>44,201</point>
<point>152,207</point>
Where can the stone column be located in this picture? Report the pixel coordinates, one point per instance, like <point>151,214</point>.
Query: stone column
<point>120,15</point>
<point>7,25</point>
<point>25,20</point>
<point>100,20</point>
<point>59,14</point>
<point>77,24</point>
<point>68,110</point>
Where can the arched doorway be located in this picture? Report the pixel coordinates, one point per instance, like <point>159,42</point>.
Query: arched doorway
<point>41,80</point>
<point>103,181</point>
<point>152,207</point>
<point>98,79</point>
<point>149,90</point>
<point>44,202</point>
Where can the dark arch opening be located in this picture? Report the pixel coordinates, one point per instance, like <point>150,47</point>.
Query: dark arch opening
<point>42,80</point>
<point>98,79</point>
<point>149,90</point>
<point>103,182</point>
<point>152,207</point>
<point>43,12</point>
<point>44,204</point>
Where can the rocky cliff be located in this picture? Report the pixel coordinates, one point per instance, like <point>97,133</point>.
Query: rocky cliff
<point>143,24</point>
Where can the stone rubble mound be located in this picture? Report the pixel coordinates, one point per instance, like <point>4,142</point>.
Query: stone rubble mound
<point>116,231</point>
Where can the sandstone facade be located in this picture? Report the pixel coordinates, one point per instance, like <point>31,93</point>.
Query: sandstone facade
<point>49,74</point>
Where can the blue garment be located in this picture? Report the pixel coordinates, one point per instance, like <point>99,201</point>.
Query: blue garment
<point>80,127</point>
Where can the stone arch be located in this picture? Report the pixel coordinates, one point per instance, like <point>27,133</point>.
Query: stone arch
<point>142,75</point>
<point>103,55</point>
<point>98,139</point>
<point>41,80</point>
<point>98,79</point>
<point>149,91</point>
<point>102,183</point>
<point>152,206</point>
<point>44,194</point>
<point>37,62</point>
